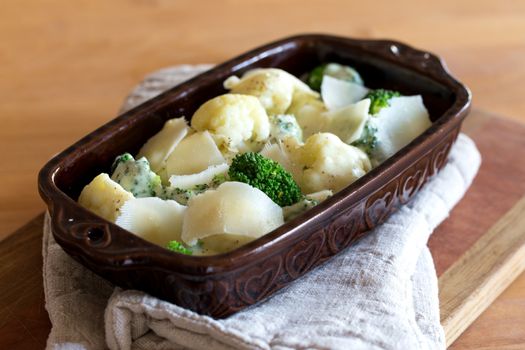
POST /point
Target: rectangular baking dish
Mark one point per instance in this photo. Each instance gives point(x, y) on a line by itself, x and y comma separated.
point(224, 284)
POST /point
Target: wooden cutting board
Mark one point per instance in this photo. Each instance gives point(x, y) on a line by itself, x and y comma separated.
point(478, 251)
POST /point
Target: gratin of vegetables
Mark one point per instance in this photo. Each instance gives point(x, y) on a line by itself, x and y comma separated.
point(254, 158)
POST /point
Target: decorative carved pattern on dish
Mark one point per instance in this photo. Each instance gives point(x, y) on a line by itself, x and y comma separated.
point(344, 230)
point(303, 255)
point(256, 282)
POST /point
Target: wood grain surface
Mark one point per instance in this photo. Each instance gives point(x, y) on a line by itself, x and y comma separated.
point(496, 189)
point(66, 66)
point(472, 282)
point(481, 249)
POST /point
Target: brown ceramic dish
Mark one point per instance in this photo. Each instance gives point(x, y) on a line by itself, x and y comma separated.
point(224, 284)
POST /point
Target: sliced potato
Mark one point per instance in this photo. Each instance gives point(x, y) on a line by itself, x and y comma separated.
point(194, 154)
point(397, 125)
point(156, 220)
point(158, 148)
point(279, 153)
point(233, 208)
point(337, 93)
point(104, 197)
point(187, 182)
point(348, 122)
point(275, 152)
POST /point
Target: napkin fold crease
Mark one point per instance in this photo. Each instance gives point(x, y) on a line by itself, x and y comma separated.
point(381, 293)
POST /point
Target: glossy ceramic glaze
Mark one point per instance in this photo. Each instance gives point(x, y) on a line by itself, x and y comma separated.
point(223, 284)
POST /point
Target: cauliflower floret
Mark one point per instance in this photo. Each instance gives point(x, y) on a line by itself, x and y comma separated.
point(309, 111)
point(273, 87)
point(329, 163)
point(238, 123)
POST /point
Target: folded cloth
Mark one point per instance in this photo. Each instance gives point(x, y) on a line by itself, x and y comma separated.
point(381, 293)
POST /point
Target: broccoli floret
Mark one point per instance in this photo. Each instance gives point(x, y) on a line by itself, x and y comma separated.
point(218, 180)
point(125, 157)
point(135, 176)
point(178, 247)
point(266, 175)
point(315, 78)
point(182, 196)
point(293, 211)
point(306, 202)
point(380, 98)
point(283, 126)
point(368, 140)
point(336, 70)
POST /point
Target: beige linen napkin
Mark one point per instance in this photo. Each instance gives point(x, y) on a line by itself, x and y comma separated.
point(381, 293)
